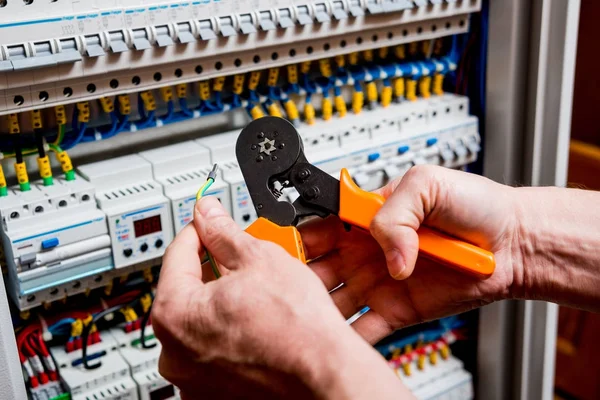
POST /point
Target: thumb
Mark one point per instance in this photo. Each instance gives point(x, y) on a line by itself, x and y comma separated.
point(395, 225)
point(220, 235)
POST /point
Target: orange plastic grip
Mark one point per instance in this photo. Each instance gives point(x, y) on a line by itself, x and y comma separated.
point(358, 208)
point(287, 237)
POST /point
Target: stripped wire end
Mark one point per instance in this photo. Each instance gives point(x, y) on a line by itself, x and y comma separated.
point(212, 175)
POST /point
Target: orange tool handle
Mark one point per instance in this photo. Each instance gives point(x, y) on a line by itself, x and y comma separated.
point(287, 237)
point(358, 208)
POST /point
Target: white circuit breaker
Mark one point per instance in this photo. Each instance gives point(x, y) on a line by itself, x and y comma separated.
point(143, 364)
point(139, 215)
point(110, 381)
point(56, 241)
point(182, 169)
point(222, 151)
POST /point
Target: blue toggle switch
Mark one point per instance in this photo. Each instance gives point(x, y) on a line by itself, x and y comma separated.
point(374, 156)
point(431, 142)
point(49, 243)
point(403, 149)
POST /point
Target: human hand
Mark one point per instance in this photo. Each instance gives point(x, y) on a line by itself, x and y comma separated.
point(466, 206)
point(267, 328)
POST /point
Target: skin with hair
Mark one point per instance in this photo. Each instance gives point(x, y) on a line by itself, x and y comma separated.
point(269, 328)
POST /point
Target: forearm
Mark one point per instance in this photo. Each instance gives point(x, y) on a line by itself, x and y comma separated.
point(558, 242)
point(351, 369)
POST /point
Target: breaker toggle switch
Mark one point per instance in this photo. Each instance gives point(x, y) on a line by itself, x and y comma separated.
point(163, 37)
point(397, 5)
point(140, 39)
point(321, 13)
point(247, 24)
point(227, 27)
point(286, 19)
point(373, 7)
point(117, 42)
point(460, 150)
point(473, 146)
point(68, 52)
point(184, 32)
point(207, 30)
point(338, 10)
point(42, 57)
point(355, 8)
point(266, 21)
point(303, 15)
point(93, 46)
point(447, 154)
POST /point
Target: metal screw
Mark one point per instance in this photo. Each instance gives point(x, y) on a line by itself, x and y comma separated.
point(261, 135)
point(304, 174)
point(275, 133)
point(274, 158)
point(259, 158)
point(254, 147)
point(312, 193)
point(260, 206)
point(282, 145)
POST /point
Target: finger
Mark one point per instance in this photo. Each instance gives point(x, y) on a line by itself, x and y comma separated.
point(372, 327)
point(228, 244)
point(320, 236)
point(395, 225)
point(181, 261)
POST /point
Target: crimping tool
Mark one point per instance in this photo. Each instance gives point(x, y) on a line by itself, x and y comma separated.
point(271, 156)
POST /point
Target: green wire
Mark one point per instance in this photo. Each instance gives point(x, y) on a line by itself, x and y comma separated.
point(201, 192)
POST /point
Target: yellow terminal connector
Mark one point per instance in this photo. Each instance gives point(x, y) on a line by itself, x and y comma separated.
point(66, 165)
point(3, 186)
point(325, 67)
point(421, 361)
point(353, 58)
point(305, 67)
point(309, 113)
point(292, 111)
point(433, 358)
point(148, 277)
point(425, 87)
point(45, 170)
point(273, 77)
point(218, 84)
point(427, 48)
point(411, 90)
point(76, 328)
point(254, 80)
point(292, 71)
point(61, 115)
point(399, 88)
point(408, 348)
point(107, 104)
point(327, 108)
point(13, 123)
point(400, 52)
point(438, 84)
point(146, 302)
point(386, 96)
point(83, 109)
point(166, 94)
point(238, 83)
point(181, 89)
point(257, 112)
point(413, 48)
point(108, 288)
point(274, 110)
point(368, 55)
point(372, 94)
point(445, 352)
point(148, 100)
point(204, 90)
point(87, 320)
point(383, 52)
point(358, 101)
point(340, 61)
point(22, 177)
point(406, 369)
point(340, 106)
point(36, 119)
point(124, 104)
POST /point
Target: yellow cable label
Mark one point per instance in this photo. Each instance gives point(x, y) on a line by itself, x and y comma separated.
point(257, 112)
point(218, 84)
point(44, 166)
point(181, 90)
point(340, 106)
point(406, 369)
point(368, 55)
point(372, 94)
point(425, 87)
point(325, 67)
point(83, 109)
point(36, 119)
point(204, 90)
point(309, 113)
point(353, 58)
point(291, 110)
point(340, 61)
point(76, 328)
point(411, 90)
point(273, 77)
point(148, 100)
point(21, 172)
point(254, 80)
point(438, 84)
point(2, 177)
point(13, 123)
point(433, 357)
point(421, 361)
point(358, 101)
point(146, 302)
point(400, 51)
point(166, 93)
point(238, 83)
point(65, 161)
point(274, 110)
point(399, 88)
point(383, 52)
point(305, 67)
point(327, 109)
point(386, 96)
point(292, 71)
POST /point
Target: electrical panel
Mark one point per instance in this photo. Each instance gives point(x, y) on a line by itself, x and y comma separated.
point(149, 97)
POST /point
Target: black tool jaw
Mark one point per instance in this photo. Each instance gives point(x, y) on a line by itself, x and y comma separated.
point(266, 150)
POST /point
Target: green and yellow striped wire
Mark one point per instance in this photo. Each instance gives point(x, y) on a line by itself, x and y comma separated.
point(212, 175)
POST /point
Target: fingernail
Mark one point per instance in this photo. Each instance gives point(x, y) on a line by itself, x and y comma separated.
point(210, 207)
point(395, 263)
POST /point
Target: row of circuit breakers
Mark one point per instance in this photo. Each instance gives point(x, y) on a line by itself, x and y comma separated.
point(120, 214)
point(52, 52)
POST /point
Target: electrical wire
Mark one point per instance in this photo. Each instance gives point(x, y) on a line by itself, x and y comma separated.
point(201, 192)
point(144, 322)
